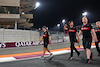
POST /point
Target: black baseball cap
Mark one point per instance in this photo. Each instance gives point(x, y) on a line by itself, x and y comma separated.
point(44, 27)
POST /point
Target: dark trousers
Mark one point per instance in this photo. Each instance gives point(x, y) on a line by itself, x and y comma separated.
point(97, 46)
point(73, 47)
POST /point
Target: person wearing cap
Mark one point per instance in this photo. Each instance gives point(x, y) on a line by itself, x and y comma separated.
point(47, 40)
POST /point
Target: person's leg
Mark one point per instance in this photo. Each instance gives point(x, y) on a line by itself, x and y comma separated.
point(84, 42)
point(71, 55)
point(51, 55)
point(44, 49)
point(84, 45)
point(91, 54)
point(76, 51)
point(48, 50)
point(97, 47)
point(88, 53)
point(72, 43)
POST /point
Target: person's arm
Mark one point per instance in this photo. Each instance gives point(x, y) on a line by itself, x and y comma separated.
point(79, 32)
point(50, 40)
point(77, 35)
point(65, 27)
point(94, 35)
point(41, 39)
point(78, 40)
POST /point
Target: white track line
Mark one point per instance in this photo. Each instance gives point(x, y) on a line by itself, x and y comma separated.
point(9, 59)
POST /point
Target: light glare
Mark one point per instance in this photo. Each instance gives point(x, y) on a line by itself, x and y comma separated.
point(63, 21)
point(37, 5)
point(58, 25)
point(84, 14)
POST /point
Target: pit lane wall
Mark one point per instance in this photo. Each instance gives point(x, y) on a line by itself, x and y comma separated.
point(27, 43)
point(11, 35)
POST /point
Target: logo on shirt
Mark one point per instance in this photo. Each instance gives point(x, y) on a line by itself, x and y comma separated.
point(44, 35)
point(85, 28)
point(72, 30)
point(98, 30)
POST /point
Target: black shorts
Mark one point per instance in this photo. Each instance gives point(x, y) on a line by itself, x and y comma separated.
point(73, 40)
point(46, 44)
point(87, 43)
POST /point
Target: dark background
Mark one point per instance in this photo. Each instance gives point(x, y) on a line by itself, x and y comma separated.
point(51, 12)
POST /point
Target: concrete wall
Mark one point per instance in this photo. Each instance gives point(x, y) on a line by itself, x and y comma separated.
point(10, 35)
point(9, 2)
point(12, 16)
point(29, 16)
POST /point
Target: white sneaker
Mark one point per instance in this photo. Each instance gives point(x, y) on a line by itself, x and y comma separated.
point(42, 58)
point(51, 55)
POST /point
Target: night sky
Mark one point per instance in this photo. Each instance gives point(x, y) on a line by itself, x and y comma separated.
point(51, 12)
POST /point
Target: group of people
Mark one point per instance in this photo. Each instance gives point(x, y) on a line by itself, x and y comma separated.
point(86, 30)
point(88, 33)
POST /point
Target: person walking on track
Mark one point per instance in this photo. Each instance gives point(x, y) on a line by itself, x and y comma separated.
point(97, 30)
point(72, 35)
point(47, 40)
point(86, 30)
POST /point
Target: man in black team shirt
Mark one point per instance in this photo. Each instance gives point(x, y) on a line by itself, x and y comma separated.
point(47, 40)
point(72, 35)
point(86, 29)
point(97, 30)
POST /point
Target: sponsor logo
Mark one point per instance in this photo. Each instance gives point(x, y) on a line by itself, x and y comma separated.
point(72, 30)
point(2, 45)
point(57, 41)
point(85, 28)
point(28, 43)
point(98, 30)
point(44, 35)
point(18, 44)
point(36, 43)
